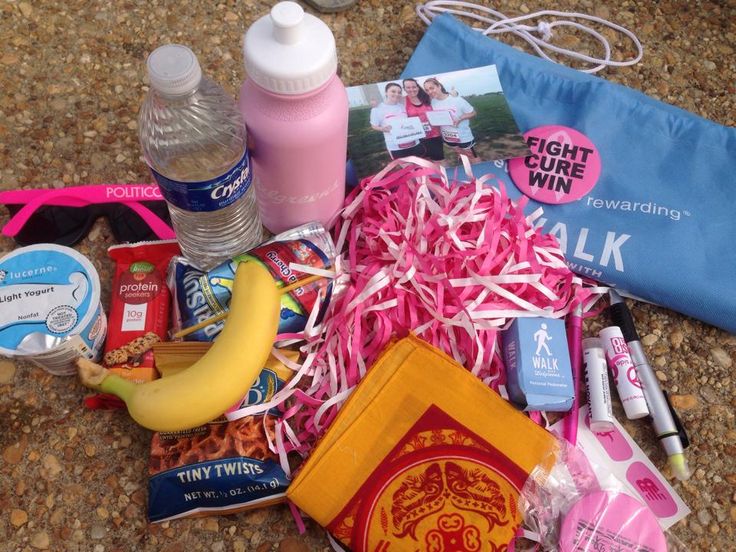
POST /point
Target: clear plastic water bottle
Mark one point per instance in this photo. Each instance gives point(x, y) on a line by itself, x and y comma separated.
point(194, 140)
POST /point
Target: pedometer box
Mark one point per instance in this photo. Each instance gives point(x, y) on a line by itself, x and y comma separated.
point(538, 371)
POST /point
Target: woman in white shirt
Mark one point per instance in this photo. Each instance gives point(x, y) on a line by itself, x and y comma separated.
point(393, 107)
point(457, 136)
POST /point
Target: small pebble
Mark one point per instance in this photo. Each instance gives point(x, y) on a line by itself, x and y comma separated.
point(649, 339)
point(40, 540)
point(292, 544)
point(257, 517)
point(211, 524)
point(696, 528)
point(52, 466)
point(14, 453)
point(9, 59)
point(18, 517)
point(97, 532)
point(721, 357)
point(709, 394)
point(57, 518)
point(7, 371)
point(684, 402)
point(704, 517)
point(26, 9)
point(676, 338)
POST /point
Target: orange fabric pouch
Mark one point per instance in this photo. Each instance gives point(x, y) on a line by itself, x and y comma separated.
point(421, 456)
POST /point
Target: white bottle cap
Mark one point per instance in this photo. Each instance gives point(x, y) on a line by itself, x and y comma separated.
point(289, 51)
point(596, 345)
point(173, 69)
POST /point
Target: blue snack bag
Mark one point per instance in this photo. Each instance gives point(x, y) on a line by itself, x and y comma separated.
point(224, 466)
point(198, 295)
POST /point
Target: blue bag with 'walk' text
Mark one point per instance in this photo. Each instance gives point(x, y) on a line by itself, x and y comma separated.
point(639, 193)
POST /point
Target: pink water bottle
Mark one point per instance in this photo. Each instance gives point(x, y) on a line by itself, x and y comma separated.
point(296, 111)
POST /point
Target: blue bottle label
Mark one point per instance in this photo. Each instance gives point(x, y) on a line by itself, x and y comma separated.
point(210, 195)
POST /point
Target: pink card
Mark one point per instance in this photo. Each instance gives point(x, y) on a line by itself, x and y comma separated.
point(616, 453)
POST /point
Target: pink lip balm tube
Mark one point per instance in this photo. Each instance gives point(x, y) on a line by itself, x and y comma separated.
point(624, 373)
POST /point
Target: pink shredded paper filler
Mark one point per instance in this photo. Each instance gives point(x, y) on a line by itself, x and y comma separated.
point(452, 262)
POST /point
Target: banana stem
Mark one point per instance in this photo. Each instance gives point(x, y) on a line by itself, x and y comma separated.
point(98, 377)
point(118, 386)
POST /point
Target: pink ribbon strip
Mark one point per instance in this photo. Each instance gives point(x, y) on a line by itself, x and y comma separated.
point(452, 262)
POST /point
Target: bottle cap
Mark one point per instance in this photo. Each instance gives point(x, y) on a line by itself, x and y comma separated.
point(593, 343)
point(173, 69)
point(606, 335)
point(289, 51)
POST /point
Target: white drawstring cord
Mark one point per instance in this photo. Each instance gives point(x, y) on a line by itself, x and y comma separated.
point(499, 23)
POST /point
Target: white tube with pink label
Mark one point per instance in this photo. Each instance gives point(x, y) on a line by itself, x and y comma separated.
point(596, 385)
point(624, 373)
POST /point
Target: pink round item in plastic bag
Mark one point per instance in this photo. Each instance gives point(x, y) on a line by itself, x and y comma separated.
point(610, 521)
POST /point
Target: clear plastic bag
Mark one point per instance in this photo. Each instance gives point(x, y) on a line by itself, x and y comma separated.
point(567, 508)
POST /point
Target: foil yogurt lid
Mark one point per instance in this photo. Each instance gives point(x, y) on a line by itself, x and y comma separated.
point(47, 294)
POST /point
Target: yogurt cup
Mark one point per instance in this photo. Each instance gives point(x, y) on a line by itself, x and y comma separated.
point(50, 309)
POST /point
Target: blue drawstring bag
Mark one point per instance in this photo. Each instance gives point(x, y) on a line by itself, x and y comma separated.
point(654, 214)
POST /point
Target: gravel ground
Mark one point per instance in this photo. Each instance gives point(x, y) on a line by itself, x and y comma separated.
point(72, 76)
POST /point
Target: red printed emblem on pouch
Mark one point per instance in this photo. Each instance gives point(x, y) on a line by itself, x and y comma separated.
point(564, 165)
point(442, 487)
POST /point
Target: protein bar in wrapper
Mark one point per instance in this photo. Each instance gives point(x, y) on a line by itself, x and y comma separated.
point(201, 295)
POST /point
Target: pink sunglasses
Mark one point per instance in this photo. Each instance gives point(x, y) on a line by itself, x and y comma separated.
point(136, 212)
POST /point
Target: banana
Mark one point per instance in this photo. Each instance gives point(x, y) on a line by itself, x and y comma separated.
point(220, 378)
point(172, 357)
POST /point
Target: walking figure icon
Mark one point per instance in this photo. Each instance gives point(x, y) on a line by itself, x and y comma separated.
point(542, 337)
